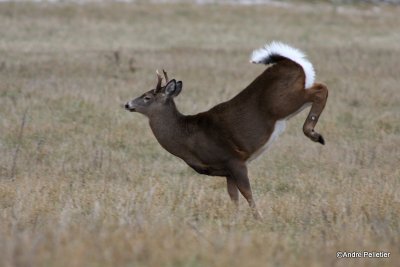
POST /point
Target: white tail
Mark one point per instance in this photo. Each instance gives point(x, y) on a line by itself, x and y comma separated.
point(266, 54)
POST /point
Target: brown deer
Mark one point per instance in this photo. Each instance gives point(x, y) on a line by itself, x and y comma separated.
point(220, 141)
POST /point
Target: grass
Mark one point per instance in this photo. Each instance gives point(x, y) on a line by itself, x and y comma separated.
point(84, 183)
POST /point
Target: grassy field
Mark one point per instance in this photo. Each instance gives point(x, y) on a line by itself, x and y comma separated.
point(84, 183)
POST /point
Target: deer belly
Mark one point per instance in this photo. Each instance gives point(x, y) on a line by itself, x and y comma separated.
point(279, 128)
point(209, 170)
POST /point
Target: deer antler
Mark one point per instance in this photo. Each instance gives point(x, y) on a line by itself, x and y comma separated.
point(158, 88)
point(166, 76)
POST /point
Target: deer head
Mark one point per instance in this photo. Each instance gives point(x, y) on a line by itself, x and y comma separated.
point(158, 99)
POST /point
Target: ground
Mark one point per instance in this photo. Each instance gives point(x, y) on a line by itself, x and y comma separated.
point(85, 183)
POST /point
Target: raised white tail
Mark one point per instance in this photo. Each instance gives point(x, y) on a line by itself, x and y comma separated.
point(270, 52)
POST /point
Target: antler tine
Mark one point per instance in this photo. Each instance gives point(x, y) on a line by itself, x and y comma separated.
point(166, 76)
point(159, 81)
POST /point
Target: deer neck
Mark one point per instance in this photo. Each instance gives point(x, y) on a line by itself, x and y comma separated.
point(168, 128)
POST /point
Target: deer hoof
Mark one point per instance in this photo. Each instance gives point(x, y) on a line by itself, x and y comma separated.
point(321, 140)
point(316, 137)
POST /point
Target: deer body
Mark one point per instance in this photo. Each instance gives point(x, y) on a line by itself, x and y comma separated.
point(220, 141)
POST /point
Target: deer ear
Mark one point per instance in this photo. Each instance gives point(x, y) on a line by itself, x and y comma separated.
point(173, 88)
point(178, 88)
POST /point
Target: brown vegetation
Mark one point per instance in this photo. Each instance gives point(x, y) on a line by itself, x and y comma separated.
point(84, 183)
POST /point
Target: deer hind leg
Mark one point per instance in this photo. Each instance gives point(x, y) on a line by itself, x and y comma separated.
point(317, 95)
point(240, 178)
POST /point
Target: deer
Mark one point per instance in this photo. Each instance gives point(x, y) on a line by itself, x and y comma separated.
point(224, 139)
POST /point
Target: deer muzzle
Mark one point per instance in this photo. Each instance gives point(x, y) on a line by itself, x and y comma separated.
point(130, 107)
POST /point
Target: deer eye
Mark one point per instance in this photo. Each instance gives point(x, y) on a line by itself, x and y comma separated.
point(147, 98)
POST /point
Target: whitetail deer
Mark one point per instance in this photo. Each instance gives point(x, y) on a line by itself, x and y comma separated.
point(220, 141)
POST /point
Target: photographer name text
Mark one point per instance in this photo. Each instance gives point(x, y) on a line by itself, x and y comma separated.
point(362, 254)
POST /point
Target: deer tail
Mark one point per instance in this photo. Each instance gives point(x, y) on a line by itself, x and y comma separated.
point(276, 51)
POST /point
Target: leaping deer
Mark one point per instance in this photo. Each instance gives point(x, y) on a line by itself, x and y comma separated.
point(220, 141)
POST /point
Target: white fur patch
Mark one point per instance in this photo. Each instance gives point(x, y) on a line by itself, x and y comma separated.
point(263, 55)
point(278, 129)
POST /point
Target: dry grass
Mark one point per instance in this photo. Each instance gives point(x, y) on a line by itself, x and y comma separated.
point(84, 183)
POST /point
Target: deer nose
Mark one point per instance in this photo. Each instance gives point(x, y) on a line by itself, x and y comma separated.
point(127, 106)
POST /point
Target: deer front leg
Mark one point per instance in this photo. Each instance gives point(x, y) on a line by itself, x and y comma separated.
point(239, 176)
point(232, 190)
point(318, 95)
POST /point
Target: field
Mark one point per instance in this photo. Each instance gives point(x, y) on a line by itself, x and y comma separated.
point(85, 183)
